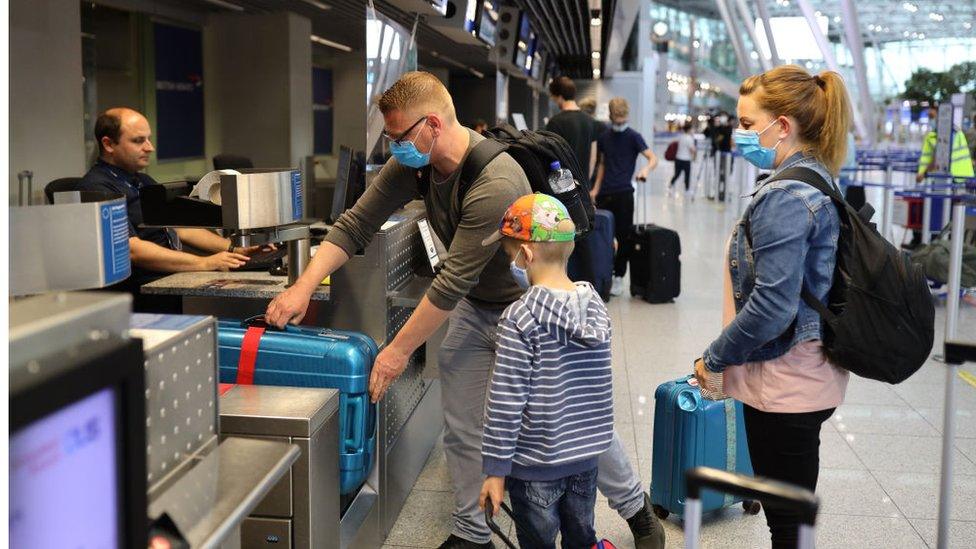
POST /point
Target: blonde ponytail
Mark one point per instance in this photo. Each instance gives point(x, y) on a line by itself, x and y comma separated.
point(832, 142)
point(819, 104)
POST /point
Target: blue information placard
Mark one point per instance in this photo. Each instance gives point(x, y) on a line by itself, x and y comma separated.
point(115, 242)
point(297, 201)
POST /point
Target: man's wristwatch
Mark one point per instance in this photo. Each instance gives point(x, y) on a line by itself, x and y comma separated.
point(231, 247)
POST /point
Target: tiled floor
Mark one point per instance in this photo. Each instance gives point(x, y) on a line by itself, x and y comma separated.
point(880, 453)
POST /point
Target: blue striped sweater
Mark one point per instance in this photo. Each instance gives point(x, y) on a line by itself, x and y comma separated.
point(550, 408)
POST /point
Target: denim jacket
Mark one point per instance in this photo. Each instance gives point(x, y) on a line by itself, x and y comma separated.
point(794, 244)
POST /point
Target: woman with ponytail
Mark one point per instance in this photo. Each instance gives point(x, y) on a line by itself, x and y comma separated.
point(769, 355)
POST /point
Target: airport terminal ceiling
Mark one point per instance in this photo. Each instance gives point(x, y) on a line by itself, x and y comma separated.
point(881, 20)
point(564, 26)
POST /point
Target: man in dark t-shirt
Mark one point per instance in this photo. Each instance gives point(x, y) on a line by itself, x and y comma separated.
point(579, 129)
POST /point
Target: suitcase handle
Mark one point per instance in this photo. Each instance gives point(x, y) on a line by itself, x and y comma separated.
point(357, 417)
point(489, 518)
point(766, 491)
point(258, 320)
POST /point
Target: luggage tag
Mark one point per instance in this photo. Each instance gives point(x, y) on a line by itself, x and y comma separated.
point(433, 247)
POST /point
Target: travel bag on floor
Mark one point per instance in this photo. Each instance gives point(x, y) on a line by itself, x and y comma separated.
point(655, 264)
point(692, 431)
point(772, 492)
point(592, 260)
point(250, 352)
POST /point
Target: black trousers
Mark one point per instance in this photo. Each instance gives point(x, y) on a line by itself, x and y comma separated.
point(785, 447)
point(622, 207)
point(682, 166)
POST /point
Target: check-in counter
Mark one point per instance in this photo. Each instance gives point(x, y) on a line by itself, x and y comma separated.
point(375, 293)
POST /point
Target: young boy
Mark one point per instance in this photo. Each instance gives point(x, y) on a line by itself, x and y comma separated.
point(550, 407)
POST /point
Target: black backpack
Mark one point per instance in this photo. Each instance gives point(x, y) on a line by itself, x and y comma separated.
point(879, 321)
point(534, 152)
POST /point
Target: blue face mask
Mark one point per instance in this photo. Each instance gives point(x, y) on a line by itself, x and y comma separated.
point(520, 274)
point(407, 154)
point(747, 143)
point(619, 127)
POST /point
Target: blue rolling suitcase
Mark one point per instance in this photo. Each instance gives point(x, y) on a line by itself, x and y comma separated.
point(592, 260)
point(691, 431)
point(301, 356)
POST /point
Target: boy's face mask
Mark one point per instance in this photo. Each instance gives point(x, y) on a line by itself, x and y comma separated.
point(520, 274)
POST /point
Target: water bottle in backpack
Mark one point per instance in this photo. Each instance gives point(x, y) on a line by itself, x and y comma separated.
point(567, 190)
point(560, 179)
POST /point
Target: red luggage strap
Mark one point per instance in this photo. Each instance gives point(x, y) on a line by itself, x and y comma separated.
point(249, 355)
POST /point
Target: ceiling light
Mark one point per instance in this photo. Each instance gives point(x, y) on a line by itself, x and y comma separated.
point(870, 27)
point(596, 55)
point(818, 14)
point(921, 36)
point(910, 7)
point(936, 16)
point(596, 22)
point(319, 40)
point(596, 73)
point(906, 34)
point(660, 28)
point(226, 5)
point(696, 44)
point(754, 55)
point(836, 19)
point(317, 4)
point(967, 25)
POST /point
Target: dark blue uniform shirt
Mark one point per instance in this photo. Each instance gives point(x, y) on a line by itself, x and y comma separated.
point(106, 177)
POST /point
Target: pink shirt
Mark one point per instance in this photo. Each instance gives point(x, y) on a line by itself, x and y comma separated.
point(802, 380)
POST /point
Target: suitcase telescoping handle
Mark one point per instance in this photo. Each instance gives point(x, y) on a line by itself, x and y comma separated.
point(489, 518)
point(767, 491)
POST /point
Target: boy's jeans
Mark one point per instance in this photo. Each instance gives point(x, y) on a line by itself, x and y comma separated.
point(545, 508)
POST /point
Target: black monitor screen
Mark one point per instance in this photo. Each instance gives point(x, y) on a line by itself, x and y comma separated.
point(523, 50)
point(488, 21)
point(350, 182)
point(64, 481)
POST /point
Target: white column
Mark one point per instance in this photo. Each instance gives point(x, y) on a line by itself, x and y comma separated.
point(764, 15)
point(828, 55)
point(740, 52)
point(852, 29)
point(750, 25)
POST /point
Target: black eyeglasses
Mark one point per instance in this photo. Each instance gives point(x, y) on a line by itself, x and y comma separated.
point(399, 139)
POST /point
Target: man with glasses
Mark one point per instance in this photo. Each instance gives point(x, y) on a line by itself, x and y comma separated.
point(472, 289)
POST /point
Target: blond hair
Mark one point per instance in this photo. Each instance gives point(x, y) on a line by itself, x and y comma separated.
point(819, 104)
point(418, 93)
point(548, 253)
point(619, 108)
point(587, 105)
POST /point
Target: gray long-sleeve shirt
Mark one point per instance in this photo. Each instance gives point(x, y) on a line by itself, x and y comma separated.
point(469, 268)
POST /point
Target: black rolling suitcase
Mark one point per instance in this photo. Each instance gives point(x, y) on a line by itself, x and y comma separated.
point(655, 264)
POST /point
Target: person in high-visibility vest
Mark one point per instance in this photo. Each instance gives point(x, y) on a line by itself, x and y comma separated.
point(960, 163)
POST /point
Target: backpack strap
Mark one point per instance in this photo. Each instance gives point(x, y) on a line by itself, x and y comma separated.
point(815, 180)
point(477, 160)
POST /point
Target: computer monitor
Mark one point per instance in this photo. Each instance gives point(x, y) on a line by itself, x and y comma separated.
point(350, 181)
point(77, 468)
point(487, 20)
